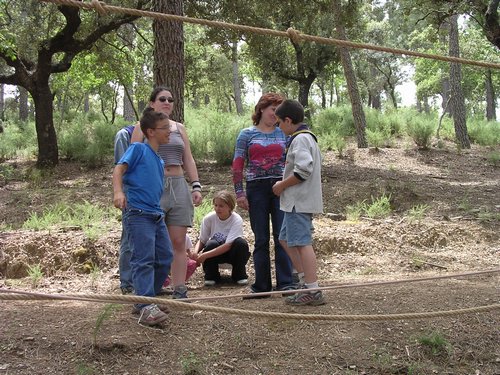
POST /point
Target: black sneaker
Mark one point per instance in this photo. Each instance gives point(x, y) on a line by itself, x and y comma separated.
point(127, 290)
point(256, 295)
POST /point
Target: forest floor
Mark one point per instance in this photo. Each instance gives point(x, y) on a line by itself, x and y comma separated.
point(459, 233)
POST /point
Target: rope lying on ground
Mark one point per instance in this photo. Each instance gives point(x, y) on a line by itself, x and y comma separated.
point(6, 294)
point(103, 9)
point(109, 298)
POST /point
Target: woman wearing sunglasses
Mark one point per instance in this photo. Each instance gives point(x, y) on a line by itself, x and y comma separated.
point(178, 198)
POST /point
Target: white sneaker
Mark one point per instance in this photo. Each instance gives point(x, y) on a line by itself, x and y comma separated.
point(209, 282)
point(242, 282)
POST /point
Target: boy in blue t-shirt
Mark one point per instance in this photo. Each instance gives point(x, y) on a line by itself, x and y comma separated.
point(137, 189)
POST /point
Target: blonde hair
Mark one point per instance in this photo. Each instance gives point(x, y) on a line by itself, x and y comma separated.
point(226, 197)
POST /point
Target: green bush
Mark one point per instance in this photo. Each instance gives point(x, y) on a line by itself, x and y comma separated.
point(378, 138)
point(379, 208)
point(484, 133)
point(18, 140)
point(337, 120)
point(213, 134)
point(421, 131)
point(89, 143)
point(332, 142)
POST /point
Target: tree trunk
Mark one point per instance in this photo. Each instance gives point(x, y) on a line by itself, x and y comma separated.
point(457, 95)
point(48, 151)
point(490, 98)
point(352, 87)
point(445, 94)
point(128, 106)
point(168, 67)
point(2, 102)
point(23, 104)
point(86, 103)
point(236, 78)
point(304, 90)
point(373, 90)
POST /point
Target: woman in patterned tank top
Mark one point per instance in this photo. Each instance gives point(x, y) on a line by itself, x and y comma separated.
point(178, 198)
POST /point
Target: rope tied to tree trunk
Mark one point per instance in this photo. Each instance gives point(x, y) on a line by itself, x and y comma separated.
point(263, 31)
point(294, 35)
point(99, 7)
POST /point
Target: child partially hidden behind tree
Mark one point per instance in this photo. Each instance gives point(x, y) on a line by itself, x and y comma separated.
point(137, 189)
point(221, 241)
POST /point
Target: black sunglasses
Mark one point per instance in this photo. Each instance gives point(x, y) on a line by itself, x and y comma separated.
point(163, 99)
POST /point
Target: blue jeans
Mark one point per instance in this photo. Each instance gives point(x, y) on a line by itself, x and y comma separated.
point(152, 251)
point(124, 267)
point(263, 203)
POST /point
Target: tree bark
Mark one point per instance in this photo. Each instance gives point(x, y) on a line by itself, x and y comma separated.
point(23, 104)
point(445, 94)
point(48, 151)
point(168, 66)
point(457, 95)
point(236, 78)
point(352, 86)
point(304, 90)
point(490, 98)
point(128, 107)
point(86, 103)
point(2, 102)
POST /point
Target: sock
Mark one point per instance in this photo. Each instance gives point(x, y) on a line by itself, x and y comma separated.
point(301, 277)
point(312, 285)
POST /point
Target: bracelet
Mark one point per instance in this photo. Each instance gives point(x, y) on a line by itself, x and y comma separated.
point(196, 186)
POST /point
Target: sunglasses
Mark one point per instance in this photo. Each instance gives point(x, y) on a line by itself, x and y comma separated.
point(163, 99)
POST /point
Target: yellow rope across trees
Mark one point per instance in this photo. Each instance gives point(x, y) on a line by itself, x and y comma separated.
point(296, 36)
point(112, 298)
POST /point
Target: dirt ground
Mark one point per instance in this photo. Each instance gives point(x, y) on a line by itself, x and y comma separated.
point(459, 233)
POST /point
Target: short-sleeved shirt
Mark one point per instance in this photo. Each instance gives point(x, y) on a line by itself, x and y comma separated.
point(223, 231)
point(143, 180)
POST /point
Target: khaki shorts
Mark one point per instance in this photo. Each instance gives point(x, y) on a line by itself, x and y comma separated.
point(176, 202)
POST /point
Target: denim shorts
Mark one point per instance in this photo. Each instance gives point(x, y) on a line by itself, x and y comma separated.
point(297, 229)
point(177, 202)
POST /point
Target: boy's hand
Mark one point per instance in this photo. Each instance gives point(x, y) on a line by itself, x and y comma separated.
point(119, 200)
point(278, 188)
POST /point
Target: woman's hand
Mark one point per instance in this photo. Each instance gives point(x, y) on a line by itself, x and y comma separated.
point(242, 203)
point(197, 198)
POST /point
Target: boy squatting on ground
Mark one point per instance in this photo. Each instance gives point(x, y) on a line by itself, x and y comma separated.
point(137, 189)
point(300, 197)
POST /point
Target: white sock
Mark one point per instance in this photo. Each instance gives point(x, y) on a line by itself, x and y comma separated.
point(301, 277)
point(312, 285)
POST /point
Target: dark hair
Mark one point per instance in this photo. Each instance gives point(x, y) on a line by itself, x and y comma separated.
point(226, 197)
point(156, 91)
point(150, 118)
point(291, 109)
point(265, 101)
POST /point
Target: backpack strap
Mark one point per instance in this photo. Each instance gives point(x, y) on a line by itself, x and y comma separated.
point(129, 129)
